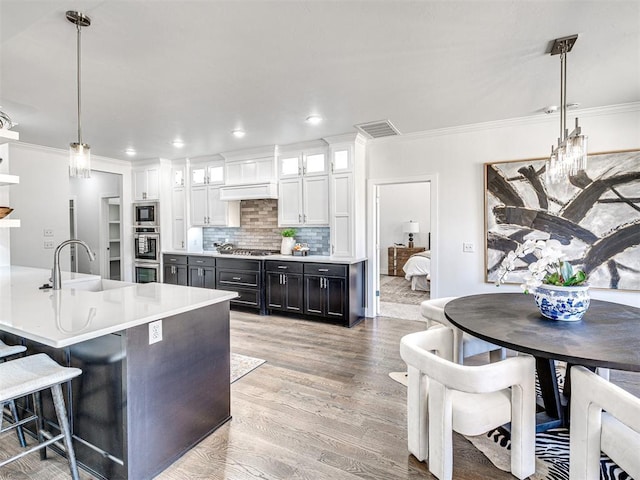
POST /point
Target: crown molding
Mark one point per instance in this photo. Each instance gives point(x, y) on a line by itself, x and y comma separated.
point(511, 122)
point(42, 148)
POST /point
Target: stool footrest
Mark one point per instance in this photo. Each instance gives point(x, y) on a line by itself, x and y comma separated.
point(33, 449)
point(17, 424)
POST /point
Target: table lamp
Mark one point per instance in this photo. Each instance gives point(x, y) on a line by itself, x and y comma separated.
point(411, 227)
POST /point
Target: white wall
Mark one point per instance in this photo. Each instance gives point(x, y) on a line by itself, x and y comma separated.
point(457, 156)
point(399, 204)
point(41, 200)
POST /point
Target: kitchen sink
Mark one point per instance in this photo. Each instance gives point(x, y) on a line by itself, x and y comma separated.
point(96, 285)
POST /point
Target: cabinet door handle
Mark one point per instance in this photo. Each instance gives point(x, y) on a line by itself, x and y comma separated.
point(183, 244)
point(281, 280)
point(284, 279)
point(284, 267)
point(299, 218)
point(304, 217)
point(236, 278)
point(200, 272)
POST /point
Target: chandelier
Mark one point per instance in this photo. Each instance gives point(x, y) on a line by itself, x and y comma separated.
point(570, 156)
point(79, 153)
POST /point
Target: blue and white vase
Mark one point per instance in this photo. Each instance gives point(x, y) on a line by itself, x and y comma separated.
point(567, 304)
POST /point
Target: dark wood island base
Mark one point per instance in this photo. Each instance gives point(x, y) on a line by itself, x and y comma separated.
point(137, 407)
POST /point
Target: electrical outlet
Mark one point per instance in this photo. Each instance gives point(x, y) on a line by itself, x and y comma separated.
point(155, 332)
point(48, 232)
point(468, 247)
point(48, 244)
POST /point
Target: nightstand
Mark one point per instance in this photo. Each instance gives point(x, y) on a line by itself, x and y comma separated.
point(398, 256)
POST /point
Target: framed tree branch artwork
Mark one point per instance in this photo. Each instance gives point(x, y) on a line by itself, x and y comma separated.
point(595, 216)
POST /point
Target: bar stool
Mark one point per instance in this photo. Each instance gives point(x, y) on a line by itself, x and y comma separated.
point(29, 376)
point(7, 351)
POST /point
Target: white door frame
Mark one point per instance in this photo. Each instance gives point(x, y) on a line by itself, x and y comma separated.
point(373, 235)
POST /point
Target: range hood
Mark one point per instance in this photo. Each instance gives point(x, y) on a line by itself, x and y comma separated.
point(249, 191)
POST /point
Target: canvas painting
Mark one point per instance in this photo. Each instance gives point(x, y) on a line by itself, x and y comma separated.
point(595, 215)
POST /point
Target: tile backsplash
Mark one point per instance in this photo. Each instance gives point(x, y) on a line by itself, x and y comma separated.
point(259, 229)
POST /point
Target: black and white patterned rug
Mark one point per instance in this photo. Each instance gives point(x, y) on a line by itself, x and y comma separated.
point(552, 454)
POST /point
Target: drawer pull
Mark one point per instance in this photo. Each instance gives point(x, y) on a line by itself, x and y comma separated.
point(323, 269)
point(283, 267)
point(199, 261)
point(236, 278)
point(172, 259)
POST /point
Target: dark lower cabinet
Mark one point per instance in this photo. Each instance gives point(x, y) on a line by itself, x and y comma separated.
point(175, 270)
point(284, 286)
point(242, 276)
point(203, 277)
point(334, 292)
point(325, 296)
point(322, 291)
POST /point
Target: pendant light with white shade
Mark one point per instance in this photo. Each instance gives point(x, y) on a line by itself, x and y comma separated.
point(79, 152)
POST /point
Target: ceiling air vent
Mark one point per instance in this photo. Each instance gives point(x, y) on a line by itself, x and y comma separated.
point(381, 128)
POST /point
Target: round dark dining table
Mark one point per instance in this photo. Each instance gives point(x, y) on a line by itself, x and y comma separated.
point(608, 336)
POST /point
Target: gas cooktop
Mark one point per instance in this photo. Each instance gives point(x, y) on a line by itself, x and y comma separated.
point(253, 252)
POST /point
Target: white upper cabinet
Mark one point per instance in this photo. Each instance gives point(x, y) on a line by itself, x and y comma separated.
point(207, 210)
point(304, 162)
point(290, 165)
point(347, 199)
point(341, 158)
point(251, 166)
point(178, 178)
point(209, 173)
point(146, 183)
point(303, 197)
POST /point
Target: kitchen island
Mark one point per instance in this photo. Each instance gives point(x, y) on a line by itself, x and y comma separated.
point(155, 361)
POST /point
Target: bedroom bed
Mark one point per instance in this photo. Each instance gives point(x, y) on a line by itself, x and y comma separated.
point(418, 271)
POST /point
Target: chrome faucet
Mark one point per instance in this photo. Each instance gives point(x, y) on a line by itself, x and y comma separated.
point(55, 274)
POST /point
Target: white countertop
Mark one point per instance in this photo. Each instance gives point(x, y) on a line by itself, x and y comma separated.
point(291, 258)
point(71, 315)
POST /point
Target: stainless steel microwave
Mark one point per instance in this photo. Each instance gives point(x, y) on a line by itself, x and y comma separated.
point(146, 214)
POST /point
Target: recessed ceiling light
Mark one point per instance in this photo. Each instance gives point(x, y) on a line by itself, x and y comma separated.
point(313, 119)
point(130, 151)
point(238, 133)
point(178, 143)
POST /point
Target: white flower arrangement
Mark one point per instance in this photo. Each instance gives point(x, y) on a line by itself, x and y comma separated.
point(550, 268)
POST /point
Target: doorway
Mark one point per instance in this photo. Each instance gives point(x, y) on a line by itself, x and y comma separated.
point(95, 213)
point(399, 207)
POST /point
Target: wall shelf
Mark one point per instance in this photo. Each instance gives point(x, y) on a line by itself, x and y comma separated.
point(9, 223)
point(9, 135)
point(6, 179)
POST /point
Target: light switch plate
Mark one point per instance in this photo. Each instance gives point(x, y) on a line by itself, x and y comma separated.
point(155, 332)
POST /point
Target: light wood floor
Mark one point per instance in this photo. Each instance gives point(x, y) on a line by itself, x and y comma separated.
point(322, 407)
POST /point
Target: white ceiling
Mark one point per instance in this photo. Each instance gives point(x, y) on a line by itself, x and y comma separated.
point(156, 70)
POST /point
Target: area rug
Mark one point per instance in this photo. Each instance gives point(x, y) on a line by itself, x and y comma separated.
point(398, 290)
point(241, 365)
point(552, 446)
point(552, 454)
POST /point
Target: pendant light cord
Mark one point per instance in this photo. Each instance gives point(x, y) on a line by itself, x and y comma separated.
point(78, 82)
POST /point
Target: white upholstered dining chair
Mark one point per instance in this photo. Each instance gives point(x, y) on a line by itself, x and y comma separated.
point(604, 418)
point(465, 345)
point(443, 396)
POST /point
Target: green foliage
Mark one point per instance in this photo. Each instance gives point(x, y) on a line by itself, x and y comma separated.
point(289, 232)
point(565, 276)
